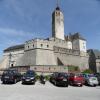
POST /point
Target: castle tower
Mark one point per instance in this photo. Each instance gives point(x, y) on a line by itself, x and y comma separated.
point(58, 23)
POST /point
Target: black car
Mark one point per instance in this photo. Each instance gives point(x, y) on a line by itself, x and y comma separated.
point(29, 77)
point(10, 76)
point(59, 79)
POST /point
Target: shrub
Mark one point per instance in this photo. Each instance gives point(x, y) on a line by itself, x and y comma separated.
point(89, 71)
point(37, 77)
point(72, 68)
point(47, 77)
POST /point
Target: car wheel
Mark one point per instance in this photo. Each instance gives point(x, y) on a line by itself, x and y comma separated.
point(94, 85)
point(33, 83)
point(3, 82)
point(55, 83)
point(15, 81)
point(66, 85)
point(23, 83)
point(81, 85)
point(71, 83)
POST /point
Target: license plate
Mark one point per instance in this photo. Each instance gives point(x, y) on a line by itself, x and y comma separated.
point(27, 80)
point(6, 77)
point(79, 83)
point(64, 80)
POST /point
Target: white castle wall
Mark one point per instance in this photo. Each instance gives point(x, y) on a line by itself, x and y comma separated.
point(29, 58)
point(82, 45)
point(4, 63)
point(79, 44)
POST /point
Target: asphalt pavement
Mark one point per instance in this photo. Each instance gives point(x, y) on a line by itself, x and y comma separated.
point(47, 92)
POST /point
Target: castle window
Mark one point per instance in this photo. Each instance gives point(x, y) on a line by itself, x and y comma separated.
point(47, 46)
point(28, 46)
point(41, 45)
point(33, 45)
point(57, 13)
point(12, 65)
point(83, 45)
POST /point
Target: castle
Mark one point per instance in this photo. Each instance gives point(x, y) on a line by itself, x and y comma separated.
point(54, 51)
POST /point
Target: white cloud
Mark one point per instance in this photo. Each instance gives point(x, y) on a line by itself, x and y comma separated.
point(14, 32)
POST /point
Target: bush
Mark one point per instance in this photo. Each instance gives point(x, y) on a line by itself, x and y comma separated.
point(89, 71)
point(47, 77)
point(37, 77)
point(72, 68)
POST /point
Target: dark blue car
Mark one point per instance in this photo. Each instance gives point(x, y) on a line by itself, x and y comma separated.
point(29, 77)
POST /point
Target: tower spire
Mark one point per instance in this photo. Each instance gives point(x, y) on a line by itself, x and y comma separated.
point(57, 3)
point(57, 8)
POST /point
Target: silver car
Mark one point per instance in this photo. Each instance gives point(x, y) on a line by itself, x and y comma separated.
point(90, 80)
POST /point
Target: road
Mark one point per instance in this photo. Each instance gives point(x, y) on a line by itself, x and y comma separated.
point(47, 92)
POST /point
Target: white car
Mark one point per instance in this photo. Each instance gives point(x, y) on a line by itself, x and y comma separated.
point(91, 80)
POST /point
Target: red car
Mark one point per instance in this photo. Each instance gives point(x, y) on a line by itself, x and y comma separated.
point(76, 80)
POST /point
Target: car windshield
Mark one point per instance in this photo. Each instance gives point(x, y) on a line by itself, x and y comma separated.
point(8, 72)
point(62, 75)
point(91, 75)
point(30, 73)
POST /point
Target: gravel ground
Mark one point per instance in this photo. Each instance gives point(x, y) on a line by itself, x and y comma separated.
point(47, 92)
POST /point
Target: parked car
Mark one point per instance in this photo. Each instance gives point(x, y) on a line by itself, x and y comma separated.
point(29, 77)
point(60, 79)
point(76, 79)
point(10, 76)
point(90, 79)
point(98, 77)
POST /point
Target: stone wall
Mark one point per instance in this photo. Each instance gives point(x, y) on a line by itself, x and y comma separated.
point(29, 58)
point(71, 57)
point(98, 65)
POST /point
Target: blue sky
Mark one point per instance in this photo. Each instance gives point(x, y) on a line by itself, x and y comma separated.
point(21, 20)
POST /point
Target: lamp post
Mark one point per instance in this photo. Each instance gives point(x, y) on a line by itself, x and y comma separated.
point(9, 59)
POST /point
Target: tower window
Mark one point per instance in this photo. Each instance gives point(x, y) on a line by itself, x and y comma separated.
point(41, 45)
point(33, 45)
point(57, 13)
point(28, 46)
point(47, 46)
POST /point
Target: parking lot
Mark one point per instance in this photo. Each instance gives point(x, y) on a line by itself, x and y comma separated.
point(47, 92)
